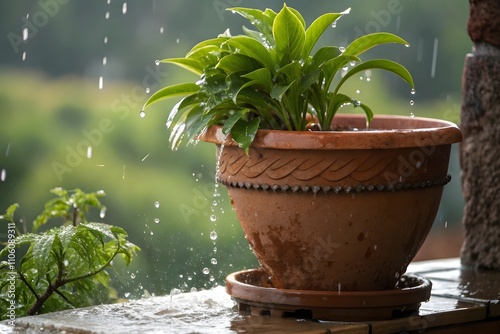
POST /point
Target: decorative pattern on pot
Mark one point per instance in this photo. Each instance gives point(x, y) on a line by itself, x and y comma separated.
point(333, 171)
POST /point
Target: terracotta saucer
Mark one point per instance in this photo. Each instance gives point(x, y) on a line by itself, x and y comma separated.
point(252, 290)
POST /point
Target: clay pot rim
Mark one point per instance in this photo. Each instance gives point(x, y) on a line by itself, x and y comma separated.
point(386, 131)
point(329, 299)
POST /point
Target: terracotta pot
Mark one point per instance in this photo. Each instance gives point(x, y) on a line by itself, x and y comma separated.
point(343, 210)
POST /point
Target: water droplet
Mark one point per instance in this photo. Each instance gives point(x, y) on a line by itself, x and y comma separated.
point(3, 175)
point(162, 30)
point(132, 276)
point(412, 102)
point(446, 224)
point(358, 91)
point(352, 63)
point(213, 218)
point(413, 91)
point(157, 62)
point(157, 204)
point(189, 278)
point(102, 213)
point(142, 114)
point(126, 294)
point(177, 41)
point(212, 278)
point(215, 249)
point(145, 157)
point(368, 79)
point(407, 45)
point(361, 78)
point(124, 8)
point(148, 90)
point(357, 103)
point(206, 271)
point(24, 56)
point(89, 152)
point(213, 261)
point(101, 82)
point(101, 193)
point(334, 24)
point(104, 61)
point(106, 15)
point(342, 49)
point(213, 235)
point(109, 1)
point(106, 40)
point(156, 220)
point(25, 34)
point(345, 68)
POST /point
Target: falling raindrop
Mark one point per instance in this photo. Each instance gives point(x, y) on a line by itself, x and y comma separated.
point(412, 102)
point(101, 83)
point(213, 235)
point(413, 91)
point(102, 213)
point(24, 56)
point(156, 220)
point(132, 276)
point(157, 204)
point(177, 41)
point(104, 61)
point(142, 114)
point(3, 175)
point(124, 8)
point(148, 90)
point(109, 1)
point(358, 91)
point(339, 287)
point(106, 15)
point(7, 151)
point(106, 40)
point(123, 173)
point(89, 152)
point(334, 24)
point(213, 261)
point(145, 157)
point(25, 34)
point(157, 62)
point(162, 30)
point(206, 271)
point(213, 218)
point(446, 224)
point(434, 57)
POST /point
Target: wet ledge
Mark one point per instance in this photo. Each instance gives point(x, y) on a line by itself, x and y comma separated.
point(462, 299)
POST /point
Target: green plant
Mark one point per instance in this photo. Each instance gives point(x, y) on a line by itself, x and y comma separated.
point(270, 78)
point(63, 267)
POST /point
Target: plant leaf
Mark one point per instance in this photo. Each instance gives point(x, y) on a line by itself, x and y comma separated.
point(289, 35)
point(243, 132)
point(42, 246)
point(190, 64)
point(316, 29)
point(261, 20)
point(231, 121)
point(252, 48)
point(366, 42)
point(172, 91)
point(278, 91)
point(237, 63)
point(383, 64)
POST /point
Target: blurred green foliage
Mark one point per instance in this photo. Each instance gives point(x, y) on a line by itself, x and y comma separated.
point(51, 111)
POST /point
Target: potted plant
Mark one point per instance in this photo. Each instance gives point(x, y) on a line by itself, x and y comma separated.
point(327, 201)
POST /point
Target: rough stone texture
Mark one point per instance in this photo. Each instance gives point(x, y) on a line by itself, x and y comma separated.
point(484, 23)
point(480, 150)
